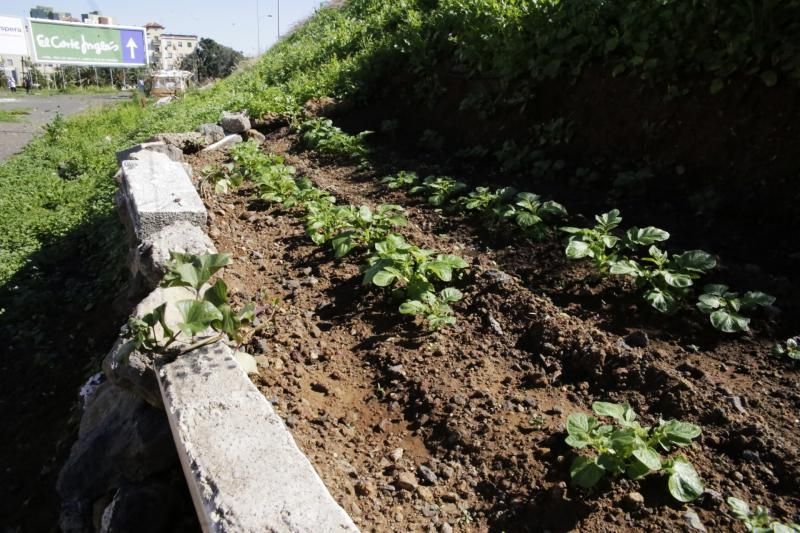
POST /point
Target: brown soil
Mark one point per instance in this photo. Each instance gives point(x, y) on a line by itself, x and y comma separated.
point(474, 417)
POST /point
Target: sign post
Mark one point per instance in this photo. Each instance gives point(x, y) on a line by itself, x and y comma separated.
point(71, 43)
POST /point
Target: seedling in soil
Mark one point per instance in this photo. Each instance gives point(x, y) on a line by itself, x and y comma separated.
point(208, 310)
point(434, 307)
point(790, 349)
point(250, 160)
point(532, 215)
point(665, 280)
point(598, 242)
point(724, 307)
point(222, 178)
point(324, 220)
point(758, 520)
point(321, 135)
point(401, 180)
point(411, 269)
point(276, 184)
point(632, 449)
point(368, 227)
point(488, 204)
point(439, 189)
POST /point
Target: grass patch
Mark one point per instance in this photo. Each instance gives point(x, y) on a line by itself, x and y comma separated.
point(13, 115)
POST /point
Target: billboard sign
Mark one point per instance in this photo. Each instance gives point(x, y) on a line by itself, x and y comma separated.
point(71, 43)
point(12, 37)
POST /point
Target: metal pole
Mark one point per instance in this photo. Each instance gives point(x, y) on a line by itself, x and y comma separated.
point(258, 29)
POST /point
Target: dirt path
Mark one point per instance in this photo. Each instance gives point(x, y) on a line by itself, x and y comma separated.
point(466, 428)
point(42, 109)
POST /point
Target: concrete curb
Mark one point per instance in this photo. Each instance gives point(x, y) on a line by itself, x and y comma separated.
point(243, 467)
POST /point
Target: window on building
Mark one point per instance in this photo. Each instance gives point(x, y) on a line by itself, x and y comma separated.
point(189, 45)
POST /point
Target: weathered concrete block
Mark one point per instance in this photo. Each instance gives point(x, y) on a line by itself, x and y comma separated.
point(171, 151)
point(228, 141)
point(211, 132)
point(152, 255)
point(234, 122)
point(159, 192)
point(133, 371)
point(244, 469)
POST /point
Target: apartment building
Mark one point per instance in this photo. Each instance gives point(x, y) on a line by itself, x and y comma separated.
point(167, 50)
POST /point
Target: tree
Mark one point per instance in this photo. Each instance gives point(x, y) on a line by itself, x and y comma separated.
point(211, 60)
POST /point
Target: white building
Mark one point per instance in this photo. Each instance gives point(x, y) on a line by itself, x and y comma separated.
point(167, 50)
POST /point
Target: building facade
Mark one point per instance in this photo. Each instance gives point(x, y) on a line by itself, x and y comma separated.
point(174, 48)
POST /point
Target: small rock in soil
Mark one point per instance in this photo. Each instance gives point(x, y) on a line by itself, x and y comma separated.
point(365, 488)
point(425, 493)
point(396, 454)
point(632, 501)
point(446, 528)
point(495, 325)
point(319, 387)
point(736, 401)
point(427, 474)
point(750, 455)
point(693, 520)
point(637, 339)
point(498, 276)
point(406, 481)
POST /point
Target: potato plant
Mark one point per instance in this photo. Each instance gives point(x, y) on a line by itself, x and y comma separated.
point(758, 520)
point(533, 216)
point(210, 309)
point(724, 308)
point(439, 189)
point(664, 280)
point(598, 243)
point(401, 180)
point(790, 348)
point(320, 134)
point(222, 178)
point(487, 204)
point(435, 308)
point(628, 448)
point(367, 227)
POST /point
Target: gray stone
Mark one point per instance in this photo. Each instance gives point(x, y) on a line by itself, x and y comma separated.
point(427, 475)
point(406, 481)
point(158, 192)
point(190, 141)
point(211, 132)
point(133, 371)
point(632, 501)
point(226, 142)
point(234, 122)
point(693, 520)
point(245, 471)
point(256, 136)
point(152, 255)
point(121, 438)
point(158, 146)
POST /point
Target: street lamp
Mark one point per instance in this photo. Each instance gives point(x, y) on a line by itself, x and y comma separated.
point(258, 23)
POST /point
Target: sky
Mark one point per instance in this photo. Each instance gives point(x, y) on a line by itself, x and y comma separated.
point(229, 22)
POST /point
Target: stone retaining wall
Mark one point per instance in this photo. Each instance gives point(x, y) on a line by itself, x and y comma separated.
point(242, 467)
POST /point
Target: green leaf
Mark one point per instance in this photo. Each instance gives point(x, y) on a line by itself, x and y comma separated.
point(739, 508)
point(728, 322)
point(383, 278)
point(648, 457)
point(450, 294)
point(412, 307)
point(646, 236)
point(578, 249)
point(753, 298)
point(625, 267)
point(614, 410)
point(695, 260)
point(677, 433)
point(684, 482)
point(197, 316)
point(661, 300)
point(217, 294)
point(585, 472)
point(674, 279)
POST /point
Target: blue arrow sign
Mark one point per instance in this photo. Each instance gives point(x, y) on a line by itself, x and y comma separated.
point(132, 42)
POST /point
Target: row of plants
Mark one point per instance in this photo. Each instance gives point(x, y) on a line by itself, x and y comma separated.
point(627, 448)
point(664, 281)
point(418, 278)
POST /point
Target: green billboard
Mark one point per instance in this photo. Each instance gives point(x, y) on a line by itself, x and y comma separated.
point(70, 43)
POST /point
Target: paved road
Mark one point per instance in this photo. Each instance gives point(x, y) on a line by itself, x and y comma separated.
point(15, 135)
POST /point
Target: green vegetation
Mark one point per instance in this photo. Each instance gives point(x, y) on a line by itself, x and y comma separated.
point(208, 310)
point(631, 449)
point(758, 520)
point(13, 115)
point(724, 308)
point(790, 348)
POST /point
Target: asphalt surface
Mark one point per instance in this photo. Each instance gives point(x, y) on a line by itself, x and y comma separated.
point(15, 135)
